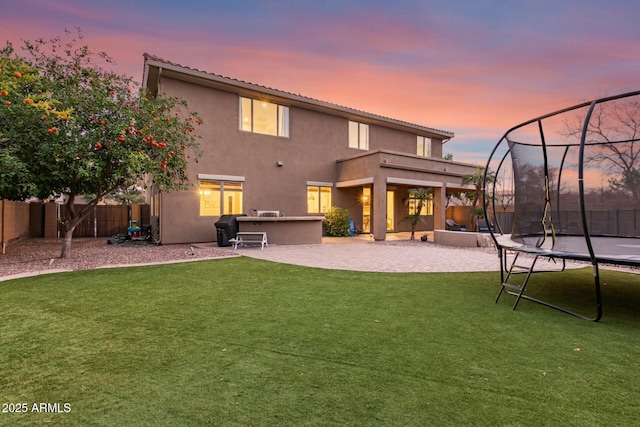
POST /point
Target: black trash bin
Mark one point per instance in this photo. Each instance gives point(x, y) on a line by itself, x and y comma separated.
point(226, 228)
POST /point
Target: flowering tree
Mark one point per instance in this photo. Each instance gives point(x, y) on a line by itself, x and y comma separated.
point(27, 113)
point(102, 133)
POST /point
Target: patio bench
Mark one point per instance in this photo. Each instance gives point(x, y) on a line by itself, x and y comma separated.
point(248, 237)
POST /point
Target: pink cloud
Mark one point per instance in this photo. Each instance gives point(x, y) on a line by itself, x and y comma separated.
point(441, 70)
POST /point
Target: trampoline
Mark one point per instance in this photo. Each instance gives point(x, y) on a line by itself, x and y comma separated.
point(566, 186)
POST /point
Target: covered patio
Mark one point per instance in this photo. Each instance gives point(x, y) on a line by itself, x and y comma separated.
point(374, 186)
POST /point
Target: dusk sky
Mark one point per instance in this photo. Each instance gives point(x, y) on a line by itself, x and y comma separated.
point(475, 68)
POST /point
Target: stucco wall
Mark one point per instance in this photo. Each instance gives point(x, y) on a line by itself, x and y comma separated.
point(461, 215)
point(316, 141)
point(350, 199)
point(287, 231)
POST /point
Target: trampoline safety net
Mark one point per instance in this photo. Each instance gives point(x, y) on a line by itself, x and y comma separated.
point(567, 185)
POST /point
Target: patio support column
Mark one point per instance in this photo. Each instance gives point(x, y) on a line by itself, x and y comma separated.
point(439, 204)
point(379, 206)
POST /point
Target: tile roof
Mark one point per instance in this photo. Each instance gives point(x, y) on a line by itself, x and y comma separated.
point(288, 95)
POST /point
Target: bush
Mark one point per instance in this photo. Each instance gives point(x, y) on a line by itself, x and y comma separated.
point(336, 223)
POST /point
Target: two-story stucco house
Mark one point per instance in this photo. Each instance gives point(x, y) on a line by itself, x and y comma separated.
point(266, 149)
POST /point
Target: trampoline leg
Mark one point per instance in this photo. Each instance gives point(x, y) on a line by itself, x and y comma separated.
point(502, 254)
point(596, 277)
point(526, 280)
point(518, 291)
point(503, 270)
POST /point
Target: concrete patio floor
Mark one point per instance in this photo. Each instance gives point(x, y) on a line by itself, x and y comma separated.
point(396, 254)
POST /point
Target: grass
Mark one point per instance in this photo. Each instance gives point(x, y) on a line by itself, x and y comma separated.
point(247, 342)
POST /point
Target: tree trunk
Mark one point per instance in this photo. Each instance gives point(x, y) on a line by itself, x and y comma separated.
point(66, 243)
point(74, 219)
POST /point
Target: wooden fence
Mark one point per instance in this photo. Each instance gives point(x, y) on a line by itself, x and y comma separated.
point(106, 220)
point(19, 220)
point(103, 221)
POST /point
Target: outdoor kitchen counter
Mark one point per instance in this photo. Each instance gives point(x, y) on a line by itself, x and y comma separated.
point(285, 230)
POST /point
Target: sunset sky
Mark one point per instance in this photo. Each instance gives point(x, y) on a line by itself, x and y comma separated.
point(475, 68)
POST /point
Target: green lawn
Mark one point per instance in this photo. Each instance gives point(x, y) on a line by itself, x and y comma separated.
point(252, 343)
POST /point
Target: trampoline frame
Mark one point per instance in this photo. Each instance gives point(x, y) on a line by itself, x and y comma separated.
point(504, 247)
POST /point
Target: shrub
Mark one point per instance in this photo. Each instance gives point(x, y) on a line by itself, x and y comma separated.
point(336, 223)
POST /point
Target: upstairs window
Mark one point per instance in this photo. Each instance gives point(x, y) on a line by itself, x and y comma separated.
point(264, 117)
point(423, 146)
point(358, 135)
